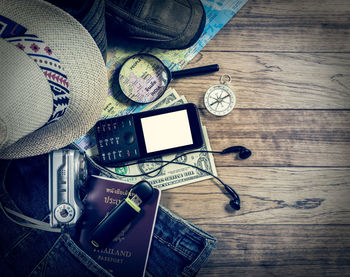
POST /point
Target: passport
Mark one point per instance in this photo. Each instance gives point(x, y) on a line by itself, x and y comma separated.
point(127, 254)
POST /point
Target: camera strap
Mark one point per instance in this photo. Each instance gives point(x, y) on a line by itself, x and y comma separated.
point(28, 222)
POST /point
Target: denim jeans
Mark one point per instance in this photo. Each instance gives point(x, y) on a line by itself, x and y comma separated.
point(178, 248)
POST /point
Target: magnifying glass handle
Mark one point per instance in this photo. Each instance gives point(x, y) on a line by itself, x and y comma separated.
point(195, 71)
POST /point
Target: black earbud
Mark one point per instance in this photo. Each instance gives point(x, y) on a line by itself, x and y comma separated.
point(243, 153)
point(235, 203)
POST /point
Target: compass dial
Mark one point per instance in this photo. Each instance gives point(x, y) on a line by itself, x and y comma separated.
point(219, 100)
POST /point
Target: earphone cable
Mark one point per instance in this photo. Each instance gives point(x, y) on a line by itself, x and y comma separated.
point(230, 190)
point(102, 168)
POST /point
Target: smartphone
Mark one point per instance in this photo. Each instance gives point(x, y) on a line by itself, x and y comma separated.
point(147, 134)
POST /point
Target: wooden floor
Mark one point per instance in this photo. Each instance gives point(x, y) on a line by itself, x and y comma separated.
point(290, 65)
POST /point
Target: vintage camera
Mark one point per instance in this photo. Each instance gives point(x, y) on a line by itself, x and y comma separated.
point(67, 173)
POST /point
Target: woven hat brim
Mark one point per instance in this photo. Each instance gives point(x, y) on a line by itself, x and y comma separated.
point(83, 65)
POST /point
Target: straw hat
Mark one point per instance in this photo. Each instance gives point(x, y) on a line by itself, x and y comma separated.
point(53, 80)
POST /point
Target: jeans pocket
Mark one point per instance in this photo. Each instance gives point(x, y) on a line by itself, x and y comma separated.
point(207, 246)
point(178, 247)
point(65, 258)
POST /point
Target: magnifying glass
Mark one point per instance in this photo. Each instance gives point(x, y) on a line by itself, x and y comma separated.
point(143, 78)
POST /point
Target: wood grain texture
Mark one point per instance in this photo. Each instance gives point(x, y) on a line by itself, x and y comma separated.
point(279, 250)
point(273, 195)
point(293, 26)
point(276, 80)
point(284, 137)
point(290, 68)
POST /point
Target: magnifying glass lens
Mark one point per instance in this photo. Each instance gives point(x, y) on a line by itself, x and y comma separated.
point(143, 78)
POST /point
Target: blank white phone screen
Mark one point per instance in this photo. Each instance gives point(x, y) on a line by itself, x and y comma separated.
point(166, 131)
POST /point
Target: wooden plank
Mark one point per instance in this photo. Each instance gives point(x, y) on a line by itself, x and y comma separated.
point(275, 80)
point(279, 250)
point(317, 270)
point(279, 25)
point(282, 137)
point(268, 196)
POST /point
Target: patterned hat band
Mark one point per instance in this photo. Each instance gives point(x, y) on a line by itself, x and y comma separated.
point(44, 57)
